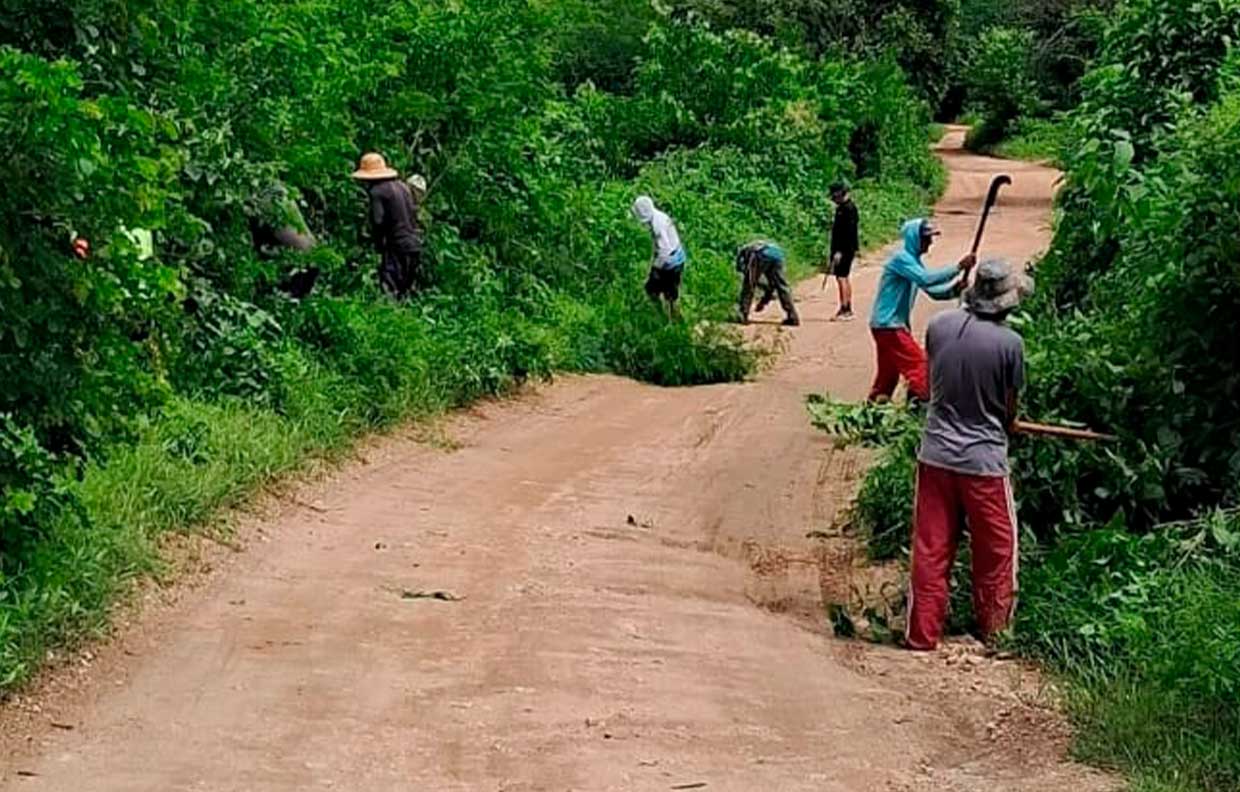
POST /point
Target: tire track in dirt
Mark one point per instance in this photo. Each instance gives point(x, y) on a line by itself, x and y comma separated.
point(604, 535)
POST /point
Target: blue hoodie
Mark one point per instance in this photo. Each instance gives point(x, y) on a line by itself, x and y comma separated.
point(903, 274)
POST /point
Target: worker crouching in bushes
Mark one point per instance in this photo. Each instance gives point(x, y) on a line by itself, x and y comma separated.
point(761, 265)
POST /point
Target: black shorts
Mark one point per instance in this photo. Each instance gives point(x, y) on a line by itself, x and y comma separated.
point(844, 268)
point(664, 283)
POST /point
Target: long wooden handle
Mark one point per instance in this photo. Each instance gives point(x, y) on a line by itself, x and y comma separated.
point(981, 226)
point(992, 198)
point(1068, 432)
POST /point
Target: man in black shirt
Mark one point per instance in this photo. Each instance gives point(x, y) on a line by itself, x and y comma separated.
point(393, 225)
point(845, 241)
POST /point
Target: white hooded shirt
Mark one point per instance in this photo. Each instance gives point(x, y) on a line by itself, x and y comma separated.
point(668, 252)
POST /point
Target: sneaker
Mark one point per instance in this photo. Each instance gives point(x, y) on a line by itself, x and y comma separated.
point(844, 316)
point(761, 306)
point(792, 321)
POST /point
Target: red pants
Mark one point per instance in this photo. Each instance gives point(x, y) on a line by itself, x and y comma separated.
point(943, 502)
point(899, 354)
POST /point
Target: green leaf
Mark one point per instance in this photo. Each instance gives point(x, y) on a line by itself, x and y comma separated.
point(21, 501)
point(1124, 153)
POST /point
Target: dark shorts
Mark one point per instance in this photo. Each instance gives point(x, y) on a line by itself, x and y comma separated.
point(844, 268)
point(664, 283)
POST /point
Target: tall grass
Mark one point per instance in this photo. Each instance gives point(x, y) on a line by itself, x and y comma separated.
point(1029, 139)
point(1145, 631)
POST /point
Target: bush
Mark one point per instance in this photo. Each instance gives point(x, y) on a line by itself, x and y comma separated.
point(918, 35)
point(37, 493)
point(1036, 140)
point(1147, 627)
point(1001, 84)
point(72, 351)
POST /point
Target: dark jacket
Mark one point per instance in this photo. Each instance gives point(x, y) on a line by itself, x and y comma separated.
point(845, 238)
point(394, 217)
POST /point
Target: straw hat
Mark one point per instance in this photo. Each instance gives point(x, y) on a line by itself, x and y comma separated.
point(374, 168)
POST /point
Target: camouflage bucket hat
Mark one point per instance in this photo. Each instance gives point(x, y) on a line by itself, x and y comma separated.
point(997, 288)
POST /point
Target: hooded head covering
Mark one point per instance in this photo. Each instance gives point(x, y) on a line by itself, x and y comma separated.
point(913, 232)
point(997, 288)
point(910, 232)
point(643, 209)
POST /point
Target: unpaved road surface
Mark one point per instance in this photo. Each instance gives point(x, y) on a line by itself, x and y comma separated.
point(611, 633)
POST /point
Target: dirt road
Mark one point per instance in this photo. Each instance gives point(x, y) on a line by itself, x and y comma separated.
point(609, 634)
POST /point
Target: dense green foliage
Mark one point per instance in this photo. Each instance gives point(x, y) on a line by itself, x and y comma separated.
point(1132, 585)
point(1024, 60)
point(1000, 80)
point(1009, 67)
point(919, 35)
point(1000, 59)
point(167, 375)
point(1152, 213)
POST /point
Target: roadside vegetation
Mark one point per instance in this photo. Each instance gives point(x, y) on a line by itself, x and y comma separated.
point(1130, 582)
point(166, 376)
point(1034, 140)
point(1007, 68)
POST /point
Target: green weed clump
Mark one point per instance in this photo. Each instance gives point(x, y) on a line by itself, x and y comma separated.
point(883, 507)
point(1029, 138)
point(1036, 140)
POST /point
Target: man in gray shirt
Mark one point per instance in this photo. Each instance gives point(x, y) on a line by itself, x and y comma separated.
point(976, 373)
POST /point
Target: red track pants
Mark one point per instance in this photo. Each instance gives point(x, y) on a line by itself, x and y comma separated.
point(943, 502)
point(899, 354)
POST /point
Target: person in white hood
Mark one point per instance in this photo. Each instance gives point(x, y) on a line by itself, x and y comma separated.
point(669, 258)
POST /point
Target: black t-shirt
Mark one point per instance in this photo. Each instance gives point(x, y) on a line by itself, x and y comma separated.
point(845, 238)
point(394, 217)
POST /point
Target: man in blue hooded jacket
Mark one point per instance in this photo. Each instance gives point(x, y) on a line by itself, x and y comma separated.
point(899, 354)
